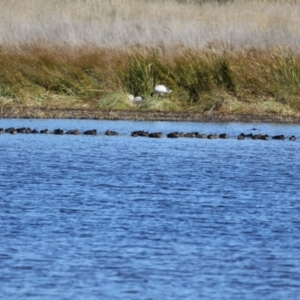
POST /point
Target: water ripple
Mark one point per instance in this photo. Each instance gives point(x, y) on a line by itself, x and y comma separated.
point(101, 218)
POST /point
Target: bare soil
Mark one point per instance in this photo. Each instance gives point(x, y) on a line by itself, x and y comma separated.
point(42, 113)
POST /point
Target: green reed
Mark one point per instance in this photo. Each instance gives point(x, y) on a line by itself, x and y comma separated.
point(228, 81)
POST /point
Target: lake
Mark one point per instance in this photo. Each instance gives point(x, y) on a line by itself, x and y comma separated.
point(118, 217)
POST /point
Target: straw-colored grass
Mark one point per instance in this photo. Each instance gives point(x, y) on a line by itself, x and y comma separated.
point(126, 23)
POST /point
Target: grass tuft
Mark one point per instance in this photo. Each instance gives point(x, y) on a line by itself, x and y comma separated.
point(159, 104)
point(117, 101)
point(138, 76)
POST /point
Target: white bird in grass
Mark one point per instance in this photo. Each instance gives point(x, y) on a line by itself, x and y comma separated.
point(135, 99)
point(161, 90)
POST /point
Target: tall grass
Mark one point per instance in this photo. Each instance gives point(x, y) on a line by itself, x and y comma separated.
point(245, 81)
point(138, 76)
point(126, 23)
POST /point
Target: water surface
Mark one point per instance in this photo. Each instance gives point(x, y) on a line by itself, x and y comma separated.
point(98, 217)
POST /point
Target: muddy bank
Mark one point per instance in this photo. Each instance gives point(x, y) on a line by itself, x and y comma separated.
point(41, 113)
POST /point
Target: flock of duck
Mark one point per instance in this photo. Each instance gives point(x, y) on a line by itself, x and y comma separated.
point(241, 136)
point(142, 133)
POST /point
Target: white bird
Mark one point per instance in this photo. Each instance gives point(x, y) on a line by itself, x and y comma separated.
point(161, 90)
point(135, 99)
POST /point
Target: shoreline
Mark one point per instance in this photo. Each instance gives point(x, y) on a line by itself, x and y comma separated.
point(137, 115)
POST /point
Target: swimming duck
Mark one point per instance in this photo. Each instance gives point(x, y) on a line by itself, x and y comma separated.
point(110, 132)
point(140, 133)
point(212, 136)
point(241, 136)
point(73, 131)
point(201, 136)
point(278, 137)
point(224, 136)
point(90, 132)
point(58, 131)
point(175, 134)
point(156, 135)
point(45, 131)
point(191, 134)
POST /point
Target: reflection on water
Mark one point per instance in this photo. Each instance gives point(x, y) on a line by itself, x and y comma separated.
point(102, 217)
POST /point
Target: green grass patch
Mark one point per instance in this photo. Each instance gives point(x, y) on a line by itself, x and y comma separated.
point(117, 101)
point(158, 103)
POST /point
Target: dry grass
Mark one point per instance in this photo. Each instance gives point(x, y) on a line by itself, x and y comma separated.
point(127, 23)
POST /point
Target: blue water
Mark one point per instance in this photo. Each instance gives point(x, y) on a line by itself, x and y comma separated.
point(98, 217)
